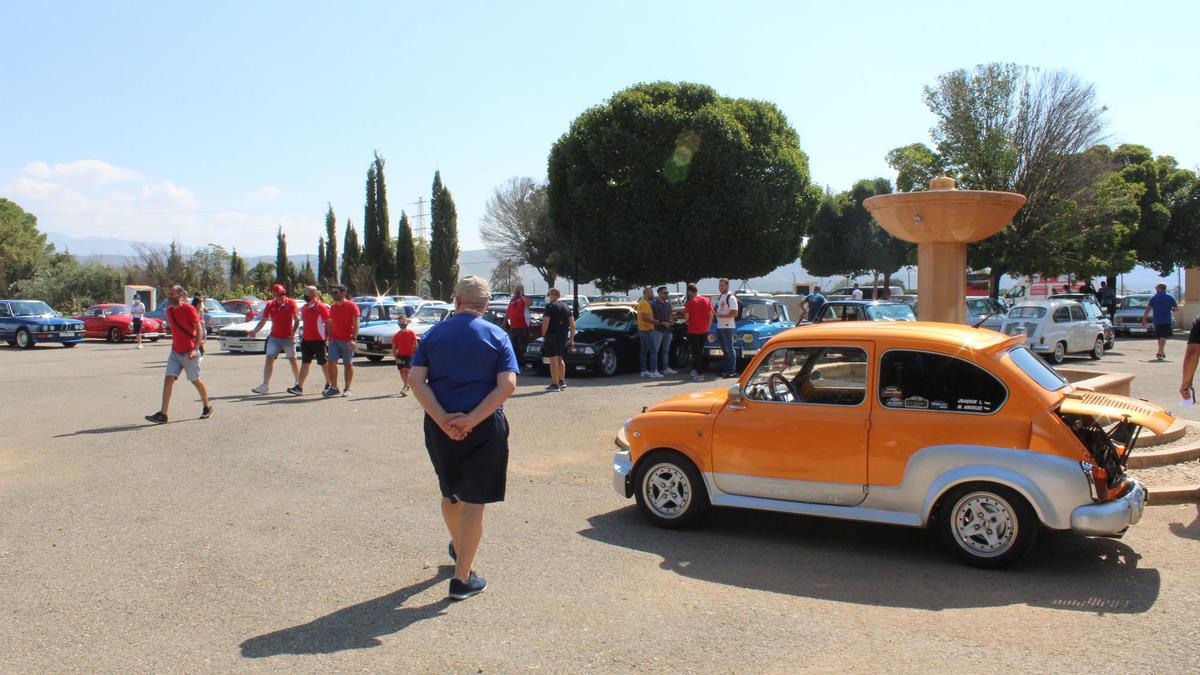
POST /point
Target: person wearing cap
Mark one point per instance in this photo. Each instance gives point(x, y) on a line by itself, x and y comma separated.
point(314, 316)
point(284, 318)
point(343, 329)
point(463, 370)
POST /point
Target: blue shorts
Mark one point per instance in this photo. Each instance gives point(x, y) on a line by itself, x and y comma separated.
point(179, 362)
point(340, 349)
point(276, 346)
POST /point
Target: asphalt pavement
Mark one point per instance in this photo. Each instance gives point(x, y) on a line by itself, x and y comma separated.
point(303, 534)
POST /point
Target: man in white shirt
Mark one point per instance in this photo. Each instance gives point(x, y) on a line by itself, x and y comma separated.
point(137, 310)
point(727, 310)
point(856, 294)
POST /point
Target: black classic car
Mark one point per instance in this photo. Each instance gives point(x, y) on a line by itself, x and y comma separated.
point(606, 342)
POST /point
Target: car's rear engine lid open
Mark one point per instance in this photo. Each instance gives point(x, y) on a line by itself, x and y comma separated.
point(1112, 408)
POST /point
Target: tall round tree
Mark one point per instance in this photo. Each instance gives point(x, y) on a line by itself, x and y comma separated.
point(673, 181)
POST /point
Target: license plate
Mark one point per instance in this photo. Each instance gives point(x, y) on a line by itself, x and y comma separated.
point(70, 334)
point(716, 352)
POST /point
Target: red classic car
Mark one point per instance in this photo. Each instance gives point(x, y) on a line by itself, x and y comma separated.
point(113, 322)
point(249, 306)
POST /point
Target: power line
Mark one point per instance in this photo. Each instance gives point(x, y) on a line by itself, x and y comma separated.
point(170, 213)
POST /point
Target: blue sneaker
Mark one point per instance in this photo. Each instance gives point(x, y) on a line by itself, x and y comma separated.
point(461, 590)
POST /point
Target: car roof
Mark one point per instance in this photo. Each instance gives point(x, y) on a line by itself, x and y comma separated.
point(865, 302)
point(949, 335)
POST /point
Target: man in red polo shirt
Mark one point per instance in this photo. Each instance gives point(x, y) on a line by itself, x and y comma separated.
point(343, 329)
point(518, 320)
point(314, 315)
point(284, 317)
point(187, 334)
point(699, 313)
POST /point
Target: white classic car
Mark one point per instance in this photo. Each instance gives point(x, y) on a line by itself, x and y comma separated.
point(1055, 328)
point(375, 342)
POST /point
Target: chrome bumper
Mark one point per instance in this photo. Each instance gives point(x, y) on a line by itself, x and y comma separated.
point(244, 345)
point(1113, 517)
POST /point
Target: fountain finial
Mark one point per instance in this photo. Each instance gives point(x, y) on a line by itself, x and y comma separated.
point(942, 182)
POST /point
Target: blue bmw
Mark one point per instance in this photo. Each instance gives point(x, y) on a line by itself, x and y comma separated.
point(758, 320)
point(25, 323)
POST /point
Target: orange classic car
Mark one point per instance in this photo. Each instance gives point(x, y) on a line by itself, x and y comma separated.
point(915, 424)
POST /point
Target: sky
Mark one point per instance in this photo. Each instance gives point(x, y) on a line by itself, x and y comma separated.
point(218, 122)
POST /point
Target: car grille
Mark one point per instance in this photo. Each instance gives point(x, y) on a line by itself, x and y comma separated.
point(1129, 320)
point(233, 333)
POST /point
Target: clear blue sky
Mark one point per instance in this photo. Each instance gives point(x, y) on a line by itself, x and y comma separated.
point(215, 121)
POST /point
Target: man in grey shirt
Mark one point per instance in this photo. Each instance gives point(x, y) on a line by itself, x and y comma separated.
point(663, 322)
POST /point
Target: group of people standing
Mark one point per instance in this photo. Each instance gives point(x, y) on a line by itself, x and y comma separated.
point(656, 328)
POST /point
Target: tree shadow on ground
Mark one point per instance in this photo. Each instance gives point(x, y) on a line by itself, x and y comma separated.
point(1187, 531)
point(884, 566)
point(355, 627)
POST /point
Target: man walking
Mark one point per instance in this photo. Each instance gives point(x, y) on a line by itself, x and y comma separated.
point(727, 309)
point(813, 303)
point(518, 319)
point(1108, 299)
point(404, 345)
point(343, 329)
point(314, 316)
point(284, 318)
point(558, 335)
point(1163, 306)
point(664, 322)
point(648, 356)
point(463, 371)
point(699, 313)
point(856, 293)
point(187, 335)
point(137, 310)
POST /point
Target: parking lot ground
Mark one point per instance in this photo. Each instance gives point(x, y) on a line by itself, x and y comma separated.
point(302, 534)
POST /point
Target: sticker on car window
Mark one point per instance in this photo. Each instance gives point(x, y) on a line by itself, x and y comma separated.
point(939, 405)
point(892, 390)
point(973, 405)
point(894, 402)
point(916, 402)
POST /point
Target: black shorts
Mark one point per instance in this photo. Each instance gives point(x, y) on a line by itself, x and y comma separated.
point(403, 362)
point(1163, 330)
point(136, 325)
point(554, 345)
point(475, 469)
point(312, 349)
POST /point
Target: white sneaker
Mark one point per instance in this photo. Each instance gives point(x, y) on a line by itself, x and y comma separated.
point(697, 378)
point(655, 376)
point(345, 392)
point(261, 389)
point(669, 371)
point(645, 373)
point(139, 346)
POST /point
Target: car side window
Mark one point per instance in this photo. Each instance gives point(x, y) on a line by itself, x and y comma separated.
point(926, 381)
point(1077, 313)
point(811, 375)
point(4, 311)
point(831, 312)
point(1062, 315)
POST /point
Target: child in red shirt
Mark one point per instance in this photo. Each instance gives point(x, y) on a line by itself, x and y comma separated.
point(404, 344)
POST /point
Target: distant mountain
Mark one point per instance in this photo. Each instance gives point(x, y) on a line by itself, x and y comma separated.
point(89, 247)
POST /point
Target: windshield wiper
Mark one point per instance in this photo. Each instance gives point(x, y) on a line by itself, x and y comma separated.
point(977, 325)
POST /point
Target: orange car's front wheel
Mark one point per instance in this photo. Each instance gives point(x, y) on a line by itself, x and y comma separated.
point(669, 489)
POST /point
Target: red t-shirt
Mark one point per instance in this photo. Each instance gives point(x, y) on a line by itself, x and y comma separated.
point(341, 320)
point(405, 342)
point(282, 314)
point(700, 314)
point(314, 316)
point(516, 312)
point(183, 319)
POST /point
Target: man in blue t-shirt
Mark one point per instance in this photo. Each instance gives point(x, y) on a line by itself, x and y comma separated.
point(463, 371)
point(813, 304)
point(1163, 305)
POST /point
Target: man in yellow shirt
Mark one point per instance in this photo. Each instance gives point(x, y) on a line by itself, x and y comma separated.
point(651, 339)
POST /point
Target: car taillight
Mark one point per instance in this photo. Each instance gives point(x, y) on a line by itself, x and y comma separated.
point(1098, 479)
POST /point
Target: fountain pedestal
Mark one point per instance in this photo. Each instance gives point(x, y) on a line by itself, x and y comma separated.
point(942, 222)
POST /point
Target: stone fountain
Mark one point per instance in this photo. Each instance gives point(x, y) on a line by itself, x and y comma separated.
point(942, 222)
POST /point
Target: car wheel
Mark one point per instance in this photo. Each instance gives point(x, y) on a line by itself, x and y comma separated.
point(24, 339)
point(1097, 349)
point(681, 354)
point(986, 525)
point(374, 358)
point(608, 362)
point(154, 339)
point(114, 335)
point(669, 489)
point(69, 344)
point(1060, 353)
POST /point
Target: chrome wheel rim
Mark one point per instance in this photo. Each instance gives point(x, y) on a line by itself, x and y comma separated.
point(1060, 352)
point(985, 525)
point(114, 335)
point(608, 361)
point(1098, 350)
point(22, 339)
point(667, 490)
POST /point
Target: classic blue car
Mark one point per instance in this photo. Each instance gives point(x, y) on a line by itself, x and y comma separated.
point(758, 320)
point(25, 323)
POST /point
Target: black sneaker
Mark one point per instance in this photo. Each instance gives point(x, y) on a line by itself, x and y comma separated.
point(453, 554)
point(461, 590)
point(157, 418)
point(553, 387)
point(206, 412)
point(295, 390)
point(327, 388)
point(331, 392)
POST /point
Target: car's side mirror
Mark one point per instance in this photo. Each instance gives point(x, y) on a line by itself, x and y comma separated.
point(735, 394)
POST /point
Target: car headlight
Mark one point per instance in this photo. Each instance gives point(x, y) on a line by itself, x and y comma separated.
point(588, 350)
point(748, 338)
point(533, 349)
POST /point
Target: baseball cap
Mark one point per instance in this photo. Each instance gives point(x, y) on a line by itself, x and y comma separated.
point(278, 288)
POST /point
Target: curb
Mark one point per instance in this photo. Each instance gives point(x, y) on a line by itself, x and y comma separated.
point(1176, 431)
point(1186, 494)
point(1146, 460)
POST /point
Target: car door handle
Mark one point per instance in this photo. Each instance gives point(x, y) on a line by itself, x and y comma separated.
point(732, 406)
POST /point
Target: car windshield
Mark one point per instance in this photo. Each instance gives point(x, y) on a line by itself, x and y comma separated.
point(982, 306)
point(31, 309)
point(756, 311)
point(212, 305)
point(1135, 302)
point(1036, 368)
point(891, 312)
point(1027, 312)
point(430, 314)
point(607, 319)
point(120, 310)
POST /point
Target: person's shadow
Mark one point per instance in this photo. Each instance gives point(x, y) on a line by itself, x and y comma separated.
point(1187, 531)
point(355, 627)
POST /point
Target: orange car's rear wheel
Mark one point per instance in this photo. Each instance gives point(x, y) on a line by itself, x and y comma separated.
point(986, 525)
point(669, 490)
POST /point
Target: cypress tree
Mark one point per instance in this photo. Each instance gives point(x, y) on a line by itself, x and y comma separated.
point(385, 263)
point(350, 255)
point(281, 259)
point(320, 258)
point(330, 275)
point(306, 276)
point(406, 258)
point(370, 239)
point(443, 247)
point(237, 269)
